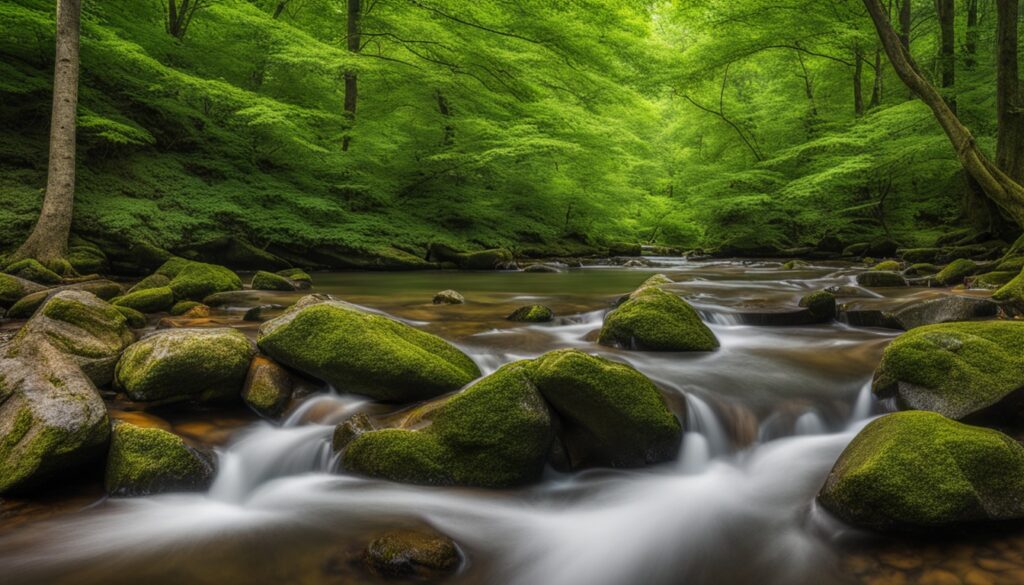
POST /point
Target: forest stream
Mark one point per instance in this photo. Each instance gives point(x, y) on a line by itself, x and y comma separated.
point(766, 417)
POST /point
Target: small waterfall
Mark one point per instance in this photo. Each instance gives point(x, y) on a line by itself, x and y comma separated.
point(862, 408)
point(720, 318)
point(703, 421)
point(810, 423)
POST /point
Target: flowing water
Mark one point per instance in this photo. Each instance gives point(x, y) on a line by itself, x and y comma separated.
point(766, 416)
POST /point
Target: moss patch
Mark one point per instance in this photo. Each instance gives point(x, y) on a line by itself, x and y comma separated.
point(197, 280)
point(30, 269)
point(1012, 292)
point(821, 304)
point(888, 266)
point(655, 320)
point(956, 271)
point(151, 281)
point(263, 280)
point(182, 307)
point(135, 319)
point(150, 300)
point(532, 314)
point(919, 470)
point(144, 461)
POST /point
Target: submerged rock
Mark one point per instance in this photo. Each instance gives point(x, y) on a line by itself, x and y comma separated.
point(655, 320)
point(181, 364)
point(412, 553)
point(449, 297)
point(263, 280)
point(89, 330)
point(532, 314)
point(921, 471)
point(611, 415)
point(145, 461)
point(958, 370)
point(268, 388)
point(880, 279)
point(365, 353)
point(944, 310)
point(496, 433)
point(52, 419)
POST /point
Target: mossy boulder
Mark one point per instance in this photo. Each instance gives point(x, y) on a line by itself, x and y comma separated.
point(135, 319)
point(922, 269)
point(264, 280)
point(1012, 292)
point(87, 329)
point(532, 314)
point(13, 289)
point(419, 554)
point(145, 461)
point(888, 266)
point(624, 249)
point(182, 307)
point(610, 414)
point(27, 305)
point(794, 265)
point(365, 353)
point(1011, 264)
point(52, 419)
point(919, 255)
point(33, 270)
point(496, 433)
point(921, 471)
point(449, 297)
point(150, 300)
point(881, 279)
point(299, 278)
point(147, 256)
point(956, 271)
point(655, 320)
point(496, 258)
point(172, 267)
point(656, 280)
point(151, 281)
point(197, 280)
point(87, 260)
point(959, 370)
point(821, 304)
point(268, 388)
point(991, 280)
point(182, 364)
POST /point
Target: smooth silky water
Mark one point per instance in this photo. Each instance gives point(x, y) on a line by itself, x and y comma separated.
point(766, 416)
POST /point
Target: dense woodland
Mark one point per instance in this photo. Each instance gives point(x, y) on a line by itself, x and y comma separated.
point(375, 127)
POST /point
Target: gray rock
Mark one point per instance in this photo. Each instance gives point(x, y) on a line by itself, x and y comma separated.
point(944, 310)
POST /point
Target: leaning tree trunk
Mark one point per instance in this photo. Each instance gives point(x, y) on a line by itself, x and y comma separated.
point(49, 238)
point(355, 10)
point(998, 186)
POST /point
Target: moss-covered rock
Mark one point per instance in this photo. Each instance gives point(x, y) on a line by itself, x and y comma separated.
point(956, 271)
point(33, 270)
point(180, 364)
point(956, 369)
point(412, 554)
point(147, 257)
point(197, 280)
point(496, 258)
point(919, 255)
point(821, 304)
point(496, 433)
point(1011, 264)
point(943, 310)
point(624, 249)
point(449, 297)
point(881, 279)
point(150, 300)
point(13, 289)
point(611, 414)
point(152, 281)
point(182, 307)
point(656, 280)
point(532, 314)
point(172, 267)
point(145, 461)
point(263, 280)
point(27, 305)
point(135, 319)
point(299, 278)
point(89, 330)
point(268, 388)
point(921, 471)
point(1012, 292)
point(794, 265)
point(888, 266)
point(365, 353)
point(87, 260)
point(991, 280)
point(52, 419)
point(922, 269)
point(197, 311)
point(655, 320)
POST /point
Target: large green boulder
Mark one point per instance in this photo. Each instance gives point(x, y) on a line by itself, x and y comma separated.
point(888, 265)
point(145, 461)
point(496, 433)
point(611, 415)
point(821, 305)
point(33, 270)
point(150, 300)
point(28, 304)
point(171, 267)
point(1012, 292)
point(13, 288)
point(956, 369)
point(264, 280)
point(197, 280)
point(365, 353)
point(956, 271)
point(182, 364)
point(89, 330)
point(922, 471)
point(655, 320)
point(52, 419)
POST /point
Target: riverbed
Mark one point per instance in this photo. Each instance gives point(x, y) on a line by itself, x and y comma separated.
point(766, 416)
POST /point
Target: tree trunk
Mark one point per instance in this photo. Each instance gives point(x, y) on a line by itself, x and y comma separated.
point(1010, 144)
point(876, 87)
point(905, 24)
point(947, 47)
point(49, 238)
point(355, 13)
point(971, 38)
point(997, 185)
point(858, 72)
point(279, 9)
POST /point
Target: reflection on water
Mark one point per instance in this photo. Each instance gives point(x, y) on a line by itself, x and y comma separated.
point(766, 417)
